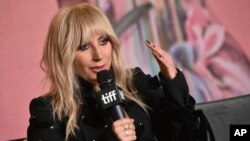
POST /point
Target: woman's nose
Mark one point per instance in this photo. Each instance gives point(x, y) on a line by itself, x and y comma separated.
point(97, 54)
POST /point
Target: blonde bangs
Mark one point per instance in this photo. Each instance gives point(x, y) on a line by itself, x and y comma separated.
point(86, 22)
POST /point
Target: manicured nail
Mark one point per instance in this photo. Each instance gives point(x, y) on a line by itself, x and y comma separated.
point(147, 42)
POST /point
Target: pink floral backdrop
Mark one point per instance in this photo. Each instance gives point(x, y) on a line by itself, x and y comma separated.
point(215, 64)
point(208, 40)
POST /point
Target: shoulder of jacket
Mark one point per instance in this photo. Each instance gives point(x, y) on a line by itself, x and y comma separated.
point(42, 101)
point(140, 79)
point(137, 73)
point(41, 112)
point(145, 80)
point(137, 70)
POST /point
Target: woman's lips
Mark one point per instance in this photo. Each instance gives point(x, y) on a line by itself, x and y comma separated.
point(98, 68)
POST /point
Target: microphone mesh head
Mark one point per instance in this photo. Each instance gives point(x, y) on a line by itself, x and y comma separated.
point(104, 76)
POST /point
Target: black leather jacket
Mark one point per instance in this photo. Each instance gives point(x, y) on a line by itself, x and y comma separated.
point(171, 117)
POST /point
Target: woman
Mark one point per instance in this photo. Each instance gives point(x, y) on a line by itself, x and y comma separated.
point(80, 43)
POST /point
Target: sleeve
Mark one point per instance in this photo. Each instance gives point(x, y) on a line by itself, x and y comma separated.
point(173, 116)
point(42, 126)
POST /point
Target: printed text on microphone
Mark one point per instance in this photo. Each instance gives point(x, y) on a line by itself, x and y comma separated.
point(109, 97)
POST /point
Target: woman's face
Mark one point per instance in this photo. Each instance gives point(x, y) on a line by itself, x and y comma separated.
point(92, 57)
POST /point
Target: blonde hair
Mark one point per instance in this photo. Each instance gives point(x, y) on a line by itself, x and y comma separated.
point(70, 27)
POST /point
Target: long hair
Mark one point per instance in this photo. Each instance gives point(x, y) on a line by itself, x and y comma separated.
point(71, 26)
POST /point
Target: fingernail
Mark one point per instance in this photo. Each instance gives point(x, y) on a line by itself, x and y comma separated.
point(148, 42)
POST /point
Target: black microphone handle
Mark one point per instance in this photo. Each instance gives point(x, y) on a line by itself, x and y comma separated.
point(117, 112)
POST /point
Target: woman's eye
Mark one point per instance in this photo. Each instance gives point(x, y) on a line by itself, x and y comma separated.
point(103, 41)
point(83, 47)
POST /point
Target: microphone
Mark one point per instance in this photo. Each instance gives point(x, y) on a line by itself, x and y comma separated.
point(109, 97)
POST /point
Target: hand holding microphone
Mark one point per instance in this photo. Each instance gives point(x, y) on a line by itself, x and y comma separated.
point(110, 100)
point(124, 129)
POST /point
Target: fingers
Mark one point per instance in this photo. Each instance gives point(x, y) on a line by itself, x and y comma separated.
point(165, 61)
point(124, 123)
point(124, 129)
point(161, 56)
point(156, 52)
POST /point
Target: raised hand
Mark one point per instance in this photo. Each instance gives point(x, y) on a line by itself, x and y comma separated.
point(165, 61)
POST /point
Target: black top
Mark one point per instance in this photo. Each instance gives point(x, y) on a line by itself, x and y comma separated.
point(171, 117)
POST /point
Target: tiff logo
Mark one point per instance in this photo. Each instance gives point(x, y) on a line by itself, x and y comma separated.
point(109, 97)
